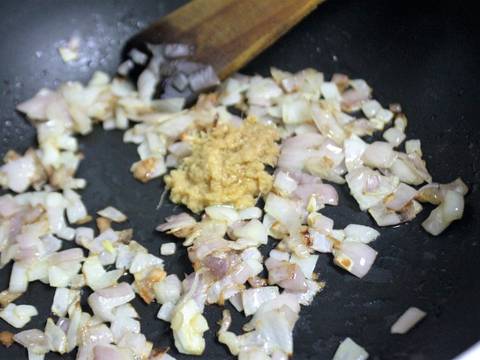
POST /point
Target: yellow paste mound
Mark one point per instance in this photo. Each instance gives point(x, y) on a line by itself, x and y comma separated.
point(227, 166)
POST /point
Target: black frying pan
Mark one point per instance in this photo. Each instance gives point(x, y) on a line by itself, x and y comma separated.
point(423, 54)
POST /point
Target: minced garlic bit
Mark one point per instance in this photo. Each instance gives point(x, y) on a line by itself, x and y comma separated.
point(227, 166)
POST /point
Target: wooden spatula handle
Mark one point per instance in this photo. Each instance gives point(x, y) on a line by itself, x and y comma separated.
point(228, 33)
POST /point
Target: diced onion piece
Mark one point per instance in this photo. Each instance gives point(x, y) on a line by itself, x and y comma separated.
point(349, 350)
point(320, 222)
point(379, 155)
point(103, 301)
point(295, 110)
point(236, 301)
point(307, 265)
point(370, 108)
point(62, 300)
point(262, 91)
point(384, 115)
point(168, 248)
point(76, 210)
point(203, 79)
point(369, 187)
point(401, 122)
point(354, 147)
point(56, 337)
point(330, 91)
point(250, 213)
point(355, 257)
point(168, 290)
point(253, 298)
point(452, 207)
point(188, 325)
point(435, 224)
point(113, 214)
point(283, 210)
point(401, 197)
point(222, 213)
point(95, 275)
point(408, 320)
point(449, 210)
point(394, 136)
point(142, 261)
point(166, 312)
point(18, 279)
point(18, 315)
point(138, 57)
point(19, 173)
point(125, 67)
point(279, 255)
point(284, 184)
point(319, 242)
point(413, 146)
point(360, 233)
point(34, 340)
point(252, 230)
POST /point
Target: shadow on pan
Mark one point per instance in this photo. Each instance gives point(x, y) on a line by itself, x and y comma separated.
point(423, 54)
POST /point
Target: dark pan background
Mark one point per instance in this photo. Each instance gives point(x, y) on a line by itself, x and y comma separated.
point(423, 54)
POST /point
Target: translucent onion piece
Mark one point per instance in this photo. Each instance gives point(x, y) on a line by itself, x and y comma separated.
point(113, 214)
point(349, 350)
point(355, 257)
point(408, 320)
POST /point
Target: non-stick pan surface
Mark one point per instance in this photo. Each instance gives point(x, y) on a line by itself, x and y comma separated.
point(423, 54)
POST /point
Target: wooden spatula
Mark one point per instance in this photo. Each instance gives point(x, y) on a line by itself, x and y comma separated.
point(227, 34)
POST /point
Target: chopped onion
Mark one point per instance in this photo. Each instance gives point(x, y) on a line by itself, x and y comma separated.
point(203, 79)
point(370, 108)
point(307, 265)
point(113, 214)
point(449, 210)
point(252, 230)
point(283, 184)
point(166, 312)
point(379, 155)
point(62, 300)
point(252, 299)
point(18, 315)
point(279, 255)
point(394, 136)
point(413, 146)
point(360, 233)
point(168, 248)
point(142, 261)
point(76, 210)
point(188, 326)
point(250, 213)
point(408, 320)
point(222, 213)
point(283, 210)
point(18, 279)
point(95, 275)
point(34, 340)
point(355, 257)
point(452, 207)
point(105, 300)
point(401, 197)
point(176, 223)
point(319, 242)
point(56, 337)
point(330, 91)
point(350, 350)
point(168, 290)
point(354, 148)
